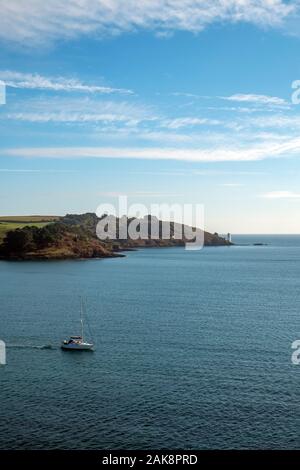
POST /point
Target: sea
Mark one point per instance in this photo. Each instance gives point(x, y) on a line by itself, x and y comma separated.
point(193, 349)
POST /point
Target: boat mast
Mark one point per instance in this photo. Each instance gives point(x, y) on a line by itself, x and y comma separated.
point(81, 318)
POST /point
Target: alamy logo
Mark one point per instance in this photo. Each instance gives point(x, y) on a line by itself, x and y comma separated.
point(2, 353)
point(166, 222)
point(296, 353)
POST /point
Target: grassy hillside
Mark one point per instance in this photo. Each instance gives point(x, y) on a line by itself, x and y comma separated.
point(28, 218)
point(8, 223)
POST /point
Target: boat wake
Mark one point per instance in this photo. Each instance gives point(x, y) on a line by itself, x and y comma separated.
point(30, 346)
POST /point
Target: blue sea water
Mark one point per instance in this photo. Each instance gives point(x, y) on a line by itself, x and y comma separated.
point(193, 350)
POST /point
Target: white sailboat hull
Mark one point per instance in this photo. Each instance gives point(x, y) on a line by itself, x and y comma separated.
point(78, 346)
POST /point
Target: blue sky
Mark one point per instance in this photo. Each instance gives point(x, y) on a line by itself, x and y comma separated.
point(177, 102)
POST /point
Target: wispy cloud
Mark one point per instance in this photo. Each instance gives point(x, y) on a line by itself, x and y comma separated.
point(281, 195)
point(231, 185)
point(223, 154)
point(256, 99)
point(177, 123)
point(276, 121)
point(78, 110)
point(137, 194)
point(37, 21)
point(23, 170)
point(185, 95)
point(39, 82)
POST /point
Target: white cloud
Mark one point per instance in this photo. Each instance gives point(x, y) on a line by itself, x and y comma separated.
point(281, 195)
point(257, 99)
point(185, 95)
point(38, 82)
point(137, 193)
point(94, 110)
point(159, 136)
point(188, 121)
point(276, 121)
point(36, 21)
point(231, 185)
point(15, 170)
point(253, 153)
point(21, 170)
point(78, 110)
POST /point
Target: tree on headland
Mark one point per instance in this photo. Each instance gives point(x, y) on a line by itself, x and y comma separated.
point(26, 239)
point(19, 240)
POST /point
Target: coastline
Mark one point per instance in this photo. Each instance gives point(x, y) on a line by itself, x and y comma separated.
point(74, 237)
point(117, 254)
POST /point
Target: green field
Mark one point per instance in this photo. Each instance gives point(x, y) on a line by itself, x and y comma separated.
point(13, 222)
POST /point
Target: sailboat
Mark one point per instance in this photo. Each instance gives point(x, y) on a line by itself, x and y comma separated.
point(78, 343)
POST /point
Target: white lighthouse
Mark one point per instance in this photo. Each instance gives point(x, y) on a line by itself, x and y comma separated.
point(229, 237)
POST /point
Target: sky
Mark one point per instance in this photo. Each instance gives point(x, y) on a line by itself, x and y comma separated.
point(179, 101)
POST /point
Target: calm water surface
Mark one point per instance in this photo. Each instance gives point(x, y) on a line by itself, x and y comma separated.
point(193, 350)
